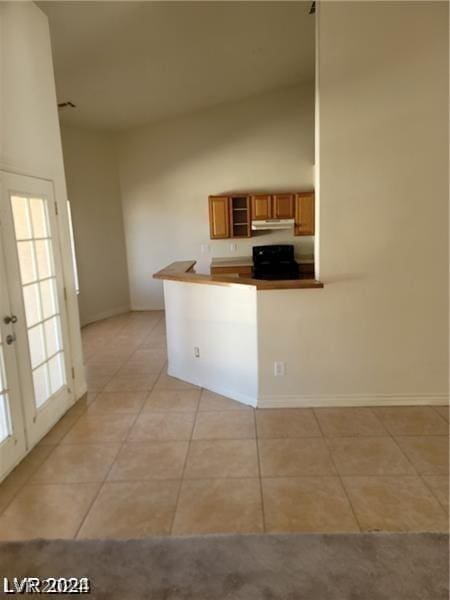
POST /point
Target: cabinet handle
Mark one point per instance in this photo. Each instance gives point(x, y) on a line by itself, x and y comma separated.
point(10, 339)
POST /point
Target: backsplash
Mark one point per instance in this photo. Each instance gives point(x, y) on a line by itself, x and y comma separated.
point(303, 244)
point(222, 248)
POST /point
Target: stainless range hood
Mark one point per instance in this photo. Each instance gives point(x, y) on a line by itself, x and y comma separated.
point(273, 224)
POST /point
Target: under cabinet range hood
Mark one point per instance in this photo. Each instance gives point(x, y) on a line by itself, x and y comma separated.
point(273, 224)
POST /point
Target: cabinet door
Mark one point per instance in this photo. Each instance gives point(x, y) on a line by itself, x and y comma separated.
point(283, 206)
point(219, 217)
point(261, 207)
point(304, 213)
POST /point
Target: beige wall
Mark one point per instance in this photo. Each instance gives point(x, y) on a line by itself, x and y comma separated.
point(30, 141)
point(94, 193)
point(378, 331)
point(168, 170)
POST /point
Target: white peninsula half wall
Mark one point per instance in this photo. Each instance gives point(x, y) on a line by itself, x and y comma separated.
point(267, 343)
point(212, 337)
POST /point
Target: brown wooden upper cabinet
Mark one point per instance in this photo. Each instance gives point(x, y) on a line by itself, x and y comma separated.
point(276, 206)
point(304, 213)
point(261, 207)
point(231, 216)
point(219, 217)
point(283, 206)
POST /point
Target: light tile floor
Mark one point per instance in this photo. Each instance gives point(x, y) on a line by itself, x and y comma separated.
point(147, 454)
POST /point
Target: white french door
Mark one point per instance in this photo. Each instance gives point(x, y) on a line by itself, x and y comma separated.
point(35, 285)
point(12, 427)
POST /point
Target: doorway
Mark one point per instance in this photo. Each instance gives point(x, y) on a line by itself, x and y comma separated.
point(35, 362)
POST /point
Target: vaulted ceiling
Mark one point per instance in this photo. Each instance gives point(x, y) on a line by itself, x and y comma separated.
point(124, 64)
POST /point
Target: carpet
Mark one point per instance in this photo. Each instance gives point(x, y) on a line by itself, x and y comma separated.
point(374, 566)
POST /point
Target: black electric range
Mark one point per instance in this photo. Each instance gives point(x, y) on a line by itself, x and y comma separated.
point(275, 262)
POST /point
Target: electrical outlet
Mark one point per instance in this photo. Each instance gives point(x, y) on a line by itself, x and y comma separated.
point(196, 352)
point(279, 368)
point(205, 248)
point(233, 247)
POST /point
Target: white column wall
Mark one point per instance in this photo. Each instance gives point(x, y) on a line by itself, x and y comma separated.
point(30, 141)
point(221, 321)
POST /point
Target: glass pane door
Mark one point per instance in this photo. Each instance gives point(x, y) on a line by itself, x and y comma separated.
point(42, 311)
point(35, 275)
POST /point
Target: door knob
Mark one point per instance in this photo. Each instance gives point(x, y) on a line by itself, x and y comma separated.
point(10, 319)
point(10, 339)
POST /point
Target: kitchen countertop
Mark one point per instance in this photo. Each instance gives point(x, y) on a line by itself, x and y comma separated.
point(184, 271)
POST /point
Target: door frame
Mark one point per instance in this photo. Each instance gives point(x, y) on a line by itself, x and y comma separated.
point(38, 420)
point(14, 447)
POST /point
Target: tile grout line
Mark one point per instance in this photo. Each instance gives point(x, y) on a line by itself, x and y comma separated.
point(102, 389)
point(435, 408)
point(34, 471)
point(258, 458)
point(352, 508)
point(418, 474)
point(217, 478)
point(433, 493)
point(104, 480)
point(27, 479)
point(182, 479)
point(416, 470)
point(122, 328)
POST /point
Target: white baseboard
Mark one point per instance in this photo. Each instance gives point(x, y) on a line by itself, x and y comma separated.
point(146, 308)
point(80, 391)
point(299, 401)
point(212, 387)
point(112, 312)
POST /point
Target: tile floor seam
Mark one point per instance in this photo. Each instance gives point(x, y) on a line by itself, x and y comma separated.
point(102, 389)
point(182, 479)
point(372, 474)
point(416, 471)
point(431, 473)
point(128, 441)
point(98, 444)
point(417, 474)
point(27, 480)
point(77, 418)
point(435, 408)
point(352, 508)
point(101, 486)
point(260, 475)
point(422, 435)
point(430, 489)
point(309, 476)
point(34, 471)
point(379, 419)
point(409, 434)
point(127, 437)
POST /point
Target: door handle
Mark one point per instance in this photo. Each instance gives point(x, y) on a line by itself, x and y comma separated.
point(10, 339)
point(10, 319)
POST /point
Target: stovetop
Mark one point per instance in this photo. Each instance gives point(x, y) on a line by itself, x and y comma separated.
point(274, 262)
